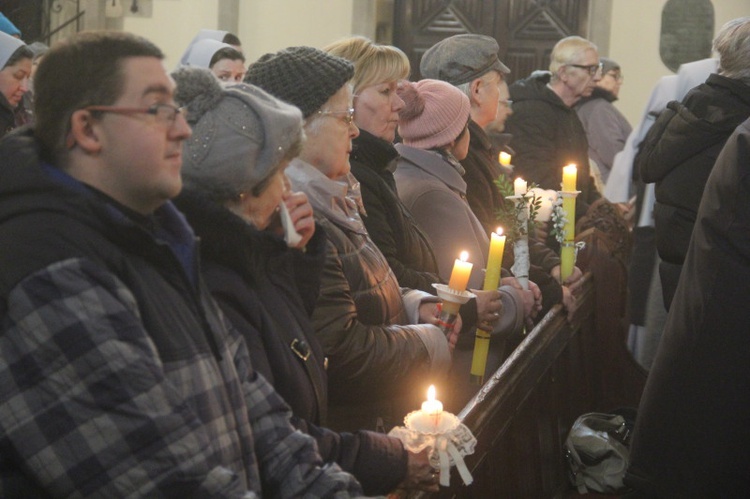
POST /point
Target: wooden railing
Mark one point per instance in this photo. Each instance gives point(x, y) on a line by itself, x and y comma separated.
point(564, 367)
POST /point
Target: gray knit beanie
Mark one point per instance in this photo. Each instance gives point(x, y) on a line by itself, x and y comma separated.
point(240, 133)
point(304, 76)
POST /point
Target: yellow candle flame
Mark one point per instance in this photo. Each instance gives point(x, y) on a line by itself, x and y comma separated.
point(499, 231)
point(504, 158)
point(464, 256)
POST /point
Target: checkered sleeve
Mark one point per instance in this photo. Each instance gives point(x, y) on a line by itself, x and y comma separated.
point(289, 462)
point(86, 408)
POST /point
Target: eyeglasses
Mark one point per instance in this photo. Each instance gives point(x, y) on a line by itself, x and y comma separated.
point(618, 77)
point(592, 68)
point(507, 103)
point(164, 113)
point(348, 115)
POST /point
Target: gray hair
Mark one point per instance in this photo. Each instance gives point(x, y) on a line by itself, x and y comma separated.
point(732, 43)
point(466, 87)
point(567, 50)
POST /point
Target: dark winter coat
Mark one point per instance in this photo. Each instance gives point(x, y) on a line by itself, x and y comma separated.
point(481, 169)
point(379, 357)
point(678, 154)
point(388, 222)
point(268, 292)
point(547, 135)
point(692, 437)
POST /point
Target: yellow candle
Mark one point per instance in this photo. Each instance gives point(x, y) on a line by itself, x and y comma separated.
point(519, 187)
point(567, 251)
point(504, 158)
point(461, 272)
point(495, 260)
point(570, 173)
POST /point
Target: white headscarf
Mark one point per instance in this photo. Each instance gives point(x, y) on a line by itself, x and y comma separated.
point(8, 45)
point(204, 34)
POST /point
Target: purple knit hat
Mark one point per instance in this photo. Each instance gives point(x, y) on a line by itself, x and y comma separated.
point(434, 115)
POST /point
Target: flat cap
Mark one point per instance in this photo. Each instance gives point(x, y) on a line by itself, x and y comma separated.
point(461, 59)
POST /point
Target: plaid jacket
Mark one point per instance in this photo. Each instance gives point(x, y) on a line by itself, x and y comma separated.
point(118, 376)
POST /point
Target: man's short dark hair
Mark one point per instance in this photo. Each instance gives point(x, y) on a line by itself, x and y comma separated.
point(230, 53)
point(83, 70)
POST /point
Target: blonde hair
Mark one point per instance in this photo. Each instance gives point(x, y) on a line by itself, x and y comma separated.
point(373, 63)
point(566, 51)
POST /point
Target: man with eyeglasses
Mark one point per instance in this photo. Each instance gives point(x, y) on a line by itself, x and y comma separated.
point(119, 375)
point(547, 134)
point(606, 127)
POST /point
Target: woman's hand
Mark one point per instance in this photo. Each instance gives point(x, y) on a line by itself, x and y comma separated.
point(489, 308)
point(574, 277)
point(420, 474)
point(429, 313)
point(301, 213)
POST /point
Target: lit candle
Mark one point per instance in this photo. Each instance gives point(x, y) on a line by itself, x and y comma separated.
point(495, 260)
point(519, 187)
point(461, 272)
point(569, 178)
point(431, 407)
point(504, 158)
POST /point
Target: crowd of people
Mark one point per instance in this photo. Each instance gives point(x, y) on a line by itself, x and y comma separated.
point(220, 281)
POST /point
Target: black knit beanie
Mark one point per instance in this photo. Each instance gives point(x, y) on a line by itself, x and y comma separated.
point(303, 76)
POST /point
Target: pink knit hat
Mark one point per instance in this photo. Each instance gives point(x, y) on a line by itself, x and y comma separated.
point(434, 115)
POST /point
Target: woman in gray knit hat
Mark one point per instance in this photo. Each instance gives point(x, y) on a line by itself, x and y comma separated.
point(383, 347)
point(253, 229)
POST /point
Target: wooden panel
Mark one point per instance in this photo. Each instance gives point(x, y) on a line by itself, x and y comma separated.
point(519, 26)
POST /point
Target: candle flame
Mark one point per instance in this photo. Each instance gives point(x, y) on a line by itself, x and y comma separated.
point(571, 165)
point(464, 256)
point(499, 231)
point(431, 393)
point(504, 158)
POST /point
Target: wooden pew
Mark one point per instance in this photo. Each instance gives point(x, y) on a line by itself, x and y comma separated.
point(560, 370)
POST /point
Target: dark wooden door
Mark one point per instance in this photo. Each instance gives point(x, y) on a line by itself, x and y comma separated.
point(526, 30)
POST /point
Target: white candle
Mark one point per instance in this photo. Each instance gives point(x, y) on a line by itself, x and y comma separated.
point(431, 407)
point(519, 187)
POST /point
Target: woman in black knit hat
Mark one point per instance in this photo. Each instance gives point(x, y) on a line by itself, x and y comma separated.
point(383, 347)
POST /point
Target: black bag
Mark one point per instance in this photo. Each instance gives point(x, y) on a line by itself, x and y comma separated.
point(597, 451)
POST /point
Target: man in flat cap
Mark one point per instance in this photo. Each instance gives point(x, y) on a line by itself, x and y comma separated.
point(471, 63)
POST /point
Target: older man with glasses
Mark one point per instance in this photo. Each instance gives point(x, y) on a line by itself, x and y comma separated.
point(547, 133)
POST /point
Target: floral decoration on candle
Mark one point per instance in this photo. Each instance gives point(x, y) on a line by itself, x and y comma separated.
point(563, 218)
